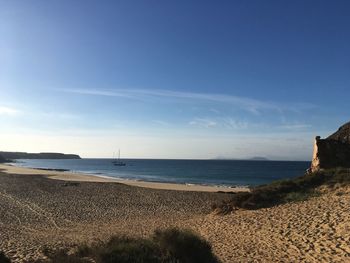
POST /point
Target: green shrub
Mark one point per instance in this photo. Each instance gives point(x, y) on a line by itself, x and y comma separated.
point(184, 246)
point(3, 258)
point(61, 255)
point(298, 196)
point(170, 245)
point(124, 249)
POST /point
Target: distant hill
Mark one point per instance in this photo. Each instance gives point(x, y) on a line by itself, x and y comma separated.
point(45, 155)
point(258, 158)
point(2, 159)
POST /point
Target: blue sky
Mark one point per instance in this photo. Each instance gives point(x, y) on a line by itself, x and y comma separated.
point(173, 79)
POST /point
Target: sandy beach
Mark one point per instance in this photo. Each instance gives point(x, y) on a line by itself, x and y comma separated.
point(37, 211)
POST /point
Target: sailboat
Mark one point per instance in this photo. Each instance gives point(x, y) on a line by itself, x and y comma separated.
point(118, 162)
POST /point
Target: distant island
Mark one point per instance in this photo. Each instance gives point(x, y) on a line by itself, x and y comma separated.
point(43, 155)
point(255, 158)
point(258, 158)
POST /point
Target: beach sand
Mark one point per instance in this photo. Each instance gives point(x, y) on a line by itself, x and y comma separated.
point(36, 211)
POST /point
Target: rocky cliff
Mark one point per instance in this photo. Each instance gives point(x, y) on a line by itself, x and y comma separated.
point(342, 135)
point(334, 151)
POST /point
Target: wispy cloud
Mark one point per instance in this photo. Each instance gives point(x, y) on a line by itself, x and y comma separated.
point(215, 111)
point(204, 123)
point(8, 111)
point(114, 93)
point(160, 122)
point(58, 115)
point(231, 123)
point(253, 106)
point(295, 126)
point(221, 122)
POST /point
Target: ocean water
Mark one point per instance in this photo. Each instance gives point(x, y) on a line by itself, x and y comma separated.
point(205, 172)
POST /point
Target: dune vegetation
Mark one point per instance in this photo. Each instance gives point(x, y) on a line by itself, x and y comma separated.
point(3, 258)
point(284, 191)
point(169, 245)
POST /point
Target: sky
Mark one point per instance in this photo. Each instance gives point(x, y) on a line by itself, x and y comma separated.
point(173, 79)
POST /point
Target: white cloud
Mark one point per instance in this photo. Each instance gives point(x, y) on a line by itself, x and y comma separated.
point(55, 115)
point(222, 122)
point(215, 111)
point(97, 92)
point(295, 126)
point(206, 123)
point(160, 122)
point(8, 111)
point(253, 106)
point(234, 124)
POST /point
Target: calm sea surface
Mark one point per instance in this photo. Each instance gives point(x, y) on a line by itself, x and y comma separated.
point(207, 172)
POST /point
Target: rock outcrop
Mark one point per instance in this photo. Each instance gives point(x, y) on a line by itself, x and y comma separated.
point(342, 135)
point(334, 151)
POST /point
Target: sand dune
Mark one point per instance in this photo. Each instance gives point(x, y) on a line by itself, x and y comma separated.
point(317, 230)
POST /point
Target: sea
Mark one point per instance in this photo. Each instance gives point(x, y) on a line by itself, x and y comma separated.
point(225, 173)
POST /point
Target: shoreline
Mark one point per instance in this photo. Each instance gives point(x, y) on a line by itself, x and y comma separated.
point(81, 177)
